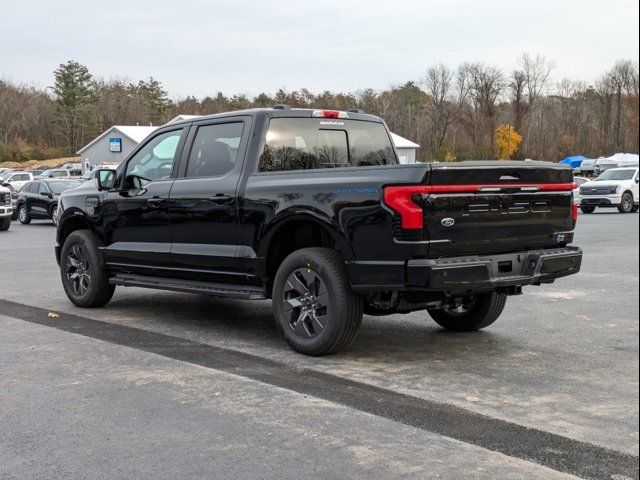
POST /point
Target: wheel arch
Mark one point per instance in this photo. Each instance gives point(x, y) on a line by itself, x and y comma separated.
point(68, 223)
point(297, 231)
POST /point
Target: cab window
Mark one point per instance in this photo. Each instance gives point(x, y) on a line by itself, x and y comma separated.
point(154, 162)
point(215, 150)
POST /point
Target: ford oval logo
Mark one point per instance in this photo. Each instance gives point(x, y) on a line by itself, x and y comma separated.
point(448, 222)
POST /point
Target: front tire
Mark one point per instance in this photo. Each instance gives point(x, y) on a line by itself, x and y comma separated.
point(84, 278)
point(627, 203)
point(314, 307)
point(587, 209)
point(54, 214)
point(472, 313)
point(5, 223)
point(23, 215)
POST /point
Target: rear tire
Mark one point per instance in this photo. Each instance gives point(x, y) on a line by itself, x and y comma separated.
point(627, 203)
point(5, 223)
point(23, 215)
point(478, 312)
point(83, 275)
point(587, 209)
point(314, 307)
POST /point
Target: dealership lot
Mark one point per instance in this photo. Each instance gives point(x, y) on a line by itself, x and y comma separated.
point(163, 384)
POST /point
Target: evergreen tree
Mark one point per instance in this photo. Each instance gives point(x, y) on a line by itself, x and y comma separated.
point(75, 95)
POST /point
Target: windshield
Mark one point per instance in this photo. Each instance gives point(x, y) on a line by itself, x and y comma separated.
point(58, 187)
point(616, 175)
point(307, 143)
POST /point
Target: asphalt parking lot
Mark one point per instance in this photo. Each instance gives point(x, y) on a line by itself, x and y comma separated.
point(168, 385)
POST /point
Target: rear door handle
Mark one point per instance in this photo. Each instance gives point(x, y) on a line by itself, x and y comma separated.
point(221, 198)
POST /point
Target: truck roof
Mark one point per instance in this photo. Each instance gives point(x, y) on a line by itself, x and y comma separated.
point(284, 112)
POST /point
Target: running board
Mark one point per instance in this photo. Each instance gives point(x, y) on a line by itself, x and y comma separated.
point(243, 292)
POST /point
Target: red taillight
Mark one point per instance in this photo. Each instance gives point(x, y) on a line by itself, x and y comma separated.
point(330, 114)
point(400, 200)
point(574, 212)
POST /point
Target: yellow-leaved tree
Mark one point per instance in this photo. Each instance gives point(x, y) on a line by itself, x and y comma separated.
point(506, 141)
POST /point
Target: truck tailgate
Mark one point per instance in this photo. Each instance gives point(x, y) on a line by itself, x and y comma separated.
point(497, 207)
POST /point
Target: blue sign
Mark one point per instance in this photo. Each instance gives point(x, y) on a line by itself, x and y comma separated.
point(115, 145)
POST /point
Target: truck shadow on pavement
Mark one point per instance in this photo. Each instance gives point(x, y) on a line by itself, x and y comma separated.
point(241, 324)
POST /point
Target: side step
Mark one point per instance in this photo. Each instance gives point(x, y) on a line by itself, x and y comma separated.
point(243, 292)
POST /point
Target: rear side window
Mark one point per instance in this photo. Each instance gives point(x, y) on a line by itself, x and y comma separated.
point(309, 143)
point(215, 150)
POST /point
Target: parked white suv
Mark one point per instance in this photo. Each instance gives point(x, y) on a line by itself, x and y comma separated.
point(61, 173)
point(616, 187)
point(6, 209)
point(16, 179)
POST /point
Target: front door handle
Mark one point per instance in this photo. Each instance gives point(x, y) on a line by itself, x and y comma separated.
point(221, 198)
point(155, 202)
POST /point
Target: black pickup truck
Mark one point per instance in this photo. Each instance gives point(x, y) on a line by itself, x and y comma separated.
point(311, 209)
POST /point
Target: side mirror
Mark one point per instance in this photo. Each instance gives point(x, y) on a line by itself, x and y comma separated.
point(106, 179)
point(637, 180)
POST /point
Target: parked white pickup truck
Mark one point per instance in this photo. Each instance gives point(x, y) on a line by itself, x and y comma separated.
point(6, 209)
point(616, 187)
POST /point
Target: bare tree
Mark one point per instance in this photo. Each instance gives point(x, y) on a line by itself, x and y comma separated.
point(527, 84)
point(438, 82)
point(480, 88)
point(620, 79)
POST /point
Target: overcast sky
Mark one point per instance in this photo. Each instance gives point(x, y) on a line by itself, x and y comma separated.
point(246, 46)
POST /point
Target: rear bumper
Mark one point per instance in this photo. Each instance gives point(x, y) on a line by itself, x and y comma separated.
point(469, 274)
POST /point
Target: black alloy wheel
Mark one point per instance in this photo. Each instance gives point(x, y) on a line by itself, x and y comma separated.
point(77, 270)
point(305, 303)
point(84, 276)
point(314, 307)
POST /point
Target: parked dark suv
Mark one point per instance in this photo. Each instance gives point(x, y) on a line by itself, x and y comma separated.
point(39, 199)
point(311, 209)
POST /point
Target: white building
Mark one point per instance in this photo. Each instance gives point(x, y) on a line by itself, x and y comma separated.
point(406, 148)
point(113, 145)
